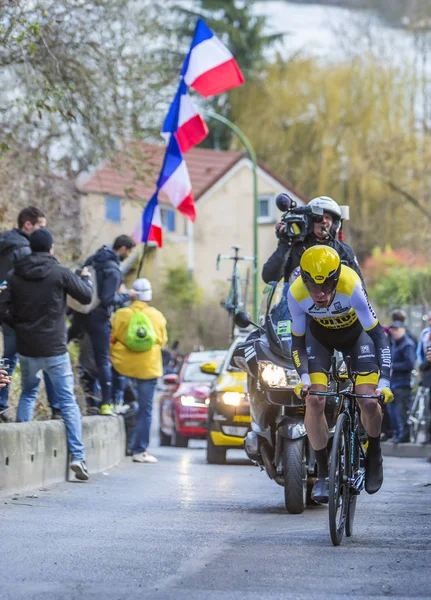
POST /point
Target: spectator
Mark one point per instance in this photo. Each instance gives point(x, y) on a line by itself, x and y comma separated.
point(142, 368)
point(423, 355)
point(400, 315)
point(403, 362)
point(37, 289)
point(14, 245)
point(106, 262)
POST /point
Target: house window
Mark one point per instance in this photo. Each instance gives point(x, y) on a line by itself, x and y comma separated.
point(113, 209)
point(266, 209)
point(168, 219)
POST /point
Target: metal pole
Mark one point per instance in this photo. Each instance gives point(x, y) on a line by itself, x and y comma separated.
point(252, 156)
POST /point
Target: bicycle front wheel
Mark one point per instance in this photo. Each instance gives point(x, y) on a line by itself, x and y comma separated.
point(339, 479)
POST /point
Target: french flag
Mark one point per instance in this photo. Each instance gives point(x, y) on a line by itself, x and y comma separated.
point(209, 67)
point(149, 228)
point(174, 180)
point(184, 120)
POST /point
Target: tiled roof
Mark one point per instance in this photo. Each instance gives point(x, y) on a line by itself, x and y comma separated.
point(134, 171)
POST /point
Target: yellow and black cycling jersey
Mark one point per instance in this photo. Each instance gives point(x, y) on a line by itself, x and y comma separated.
point(349, 304)
point(348, 314)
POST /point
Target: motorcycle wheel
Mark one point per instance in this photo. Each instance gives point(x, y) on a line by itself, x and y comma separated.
point(294, 462)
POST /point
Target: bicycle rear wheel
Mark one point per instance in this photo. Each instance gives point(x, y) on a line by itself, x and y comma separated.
point(339, 476)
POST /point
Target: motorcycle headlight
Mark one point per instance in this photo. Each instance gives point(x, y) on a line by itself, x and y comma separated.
point(233, 398)
point(277, 377)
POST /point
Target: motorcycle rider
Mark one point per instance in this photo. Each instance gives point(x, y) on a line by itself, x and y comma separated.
point(285, 260)
point(331, 311)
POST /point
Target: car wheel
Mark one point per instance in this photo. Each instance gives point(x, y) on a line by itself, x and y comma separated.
point(164, 439)
point(215, 455)
point(177, 440)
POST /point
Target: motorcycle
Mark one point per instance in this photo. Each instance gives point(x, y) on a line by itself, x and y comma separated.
point(278, 440)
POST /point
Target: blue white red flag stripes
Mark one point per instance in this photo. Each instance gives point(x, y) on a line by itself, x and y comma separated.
point(149, 228)
point(184, 120)
point(209, 67)
point(174, 180)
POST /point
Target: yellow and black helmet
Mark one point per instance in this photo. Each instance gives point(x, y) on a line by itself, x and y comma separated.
point(320, 268)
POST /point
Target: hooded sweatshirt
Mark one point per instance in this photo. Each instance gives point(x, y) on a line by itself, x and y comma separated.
point(37, 290)
point(14, 245)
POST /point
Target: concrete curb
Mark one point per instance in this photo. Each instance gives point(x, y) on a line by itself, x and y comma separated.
point(35, 454)
point(406, 450)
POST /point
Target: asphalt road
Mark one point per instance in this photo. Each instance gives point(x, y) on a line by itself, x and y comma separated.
point(185, 530)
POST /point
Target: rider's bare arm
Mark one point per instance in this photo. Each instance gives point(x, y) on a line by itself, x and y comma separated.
point(298, 326)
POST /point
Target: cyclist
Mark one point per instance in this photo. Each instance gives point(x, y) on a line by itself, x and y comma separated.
point(341, 318)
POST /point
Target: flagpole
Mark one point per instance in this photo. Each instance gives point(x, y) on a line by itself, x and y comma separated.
point(252, 156)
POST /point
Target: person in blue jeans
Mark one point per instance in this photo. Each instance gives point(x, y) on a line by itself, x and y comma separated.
point(142, 368)
point(97, 323)
point(35, 307)
point(14, 245)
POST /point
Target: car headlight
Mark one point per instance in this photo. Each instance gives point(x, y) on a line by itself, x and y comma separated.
point(192, 401)
point(233, 398)
point(277, 377)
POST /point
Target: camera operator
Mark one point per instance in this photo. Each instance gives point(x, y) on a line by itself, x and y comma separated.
point(300, 228)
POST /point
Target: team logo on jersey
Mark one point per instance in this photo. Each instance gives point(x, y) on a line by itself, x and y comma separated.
point(339, 308)
point(365, 349)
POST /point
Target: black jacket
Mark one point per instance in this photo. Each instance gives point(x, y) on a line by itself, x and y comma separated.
point(14, 245)
point(36, 299)
point(403, 361)
point(285, 259)
point(107, 266)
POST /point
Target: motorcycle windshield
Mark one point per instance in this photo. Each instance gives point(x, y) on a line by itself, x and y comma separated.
point(274, 315)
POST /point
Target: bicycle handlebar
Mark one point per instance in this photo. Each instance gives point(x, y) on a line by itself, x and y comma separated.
point(380, 397)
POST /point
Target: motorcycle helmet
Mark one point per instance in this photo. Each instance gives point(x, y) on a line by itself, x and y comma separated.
point(330, 206)
point(320, 268)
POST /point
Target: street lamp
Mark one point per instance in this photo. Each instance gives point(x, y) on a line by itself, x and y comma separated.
point(252, 156)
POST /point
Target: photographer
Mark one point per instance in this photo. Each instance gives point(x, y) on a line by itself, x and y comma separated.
point(300, 228)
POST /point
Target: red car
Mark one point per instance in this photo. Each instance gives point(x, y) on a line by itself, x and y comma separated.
point(184, 401)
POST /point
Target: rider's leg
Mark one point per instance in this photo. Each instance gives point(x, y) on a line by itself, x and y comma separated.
point(371, 413)
point(371, 417)
point(315, 420)
point(317, 432)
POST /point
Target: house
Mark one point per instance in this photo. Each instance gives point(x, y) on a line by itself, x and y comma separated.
point(112, 199)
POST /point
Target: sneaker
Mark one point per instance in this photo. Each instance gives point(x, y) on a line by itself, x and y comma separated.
point(5, 416)
point(80, 469)
point(121, 409)
point(373, 473)
point(93, 411)
point(144, 457)
point(107, 410)
point(320, 491)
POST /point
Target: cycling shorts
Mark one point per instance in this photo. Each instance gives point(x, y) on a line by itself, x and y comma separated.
point(353, 341)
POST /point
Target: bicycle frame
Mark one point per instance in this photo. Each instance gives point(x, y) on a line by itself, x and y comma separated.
point(234, 301)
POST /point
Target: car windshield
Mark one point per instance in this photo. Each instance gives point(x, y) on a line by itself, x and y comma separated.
point(193, 373)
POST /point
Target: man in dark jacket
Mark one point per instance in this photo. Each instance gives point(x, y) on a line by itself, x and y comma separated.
point(37, 289)
point(14, 245)
point(106, 262)
point(403, 351)
point(284, 262)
